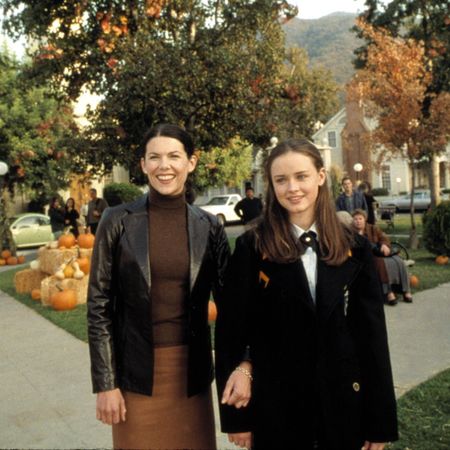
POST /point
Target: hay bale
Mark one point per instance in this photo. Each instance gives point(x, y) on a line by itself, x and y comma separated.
point(51, 285)
point(51, 259)
point(28, 279)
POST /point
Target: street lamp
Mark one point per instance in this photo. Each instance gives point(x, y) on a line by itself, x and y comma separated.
point(358, 167)
point(3, 168)
point(398, 180)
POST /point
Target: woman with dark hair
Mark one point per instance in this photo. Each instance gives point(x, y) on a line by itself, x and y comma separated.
point(56, 214)
point(155, 262)
point(71, 216)
point(301, 347)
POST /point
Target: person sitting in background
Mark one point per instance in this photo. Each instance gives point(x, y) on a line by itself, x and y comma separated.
point(56, 214)
point(391, 268)
point(71, 216)
point(366, 189)
point(249, 207)
point(350, 199)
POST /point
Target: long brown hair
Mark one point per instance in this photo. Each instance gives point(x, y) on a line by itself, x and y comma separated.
point(273, 231)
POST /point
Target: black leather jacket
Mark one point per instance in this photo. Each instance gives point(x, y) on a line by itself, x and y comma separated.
point(119, 303)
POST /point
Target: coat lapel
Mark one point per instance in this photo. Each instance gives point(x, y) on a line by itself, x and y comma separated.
point(198, 229)
point(332, 281)
point(136, 232)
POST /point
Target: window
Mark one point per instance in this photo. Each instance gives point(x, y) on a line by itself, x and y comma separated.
point(386, 177)
point(332, 138)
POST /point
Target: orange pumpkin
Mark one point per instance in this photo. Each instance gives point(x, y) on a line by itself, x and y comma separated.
point(66, 240)
point(442, 260)
point(85, 265)
point(36, 294)
point(212, 311)
point(20, 259)
point(414, 281)
point(5, 254)
point(64, 300)
point(86, 240)
point(2, 262)
point(11, 261)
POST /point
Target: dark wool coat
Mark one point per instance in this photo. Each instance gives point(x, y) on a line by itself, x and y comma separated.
point(321, 371)
point(119, 302)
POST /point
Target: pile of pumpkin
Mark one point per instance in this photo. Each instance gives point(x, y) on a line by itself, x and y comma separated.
point(59, 277)
point(7, 258)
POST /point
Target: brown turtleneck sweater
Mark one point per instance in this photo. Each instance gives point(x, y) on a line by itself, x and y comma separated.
point(169, 268)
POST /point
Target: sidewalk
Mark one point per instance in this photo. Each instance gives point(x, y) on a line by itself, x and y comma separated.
point(45, 387)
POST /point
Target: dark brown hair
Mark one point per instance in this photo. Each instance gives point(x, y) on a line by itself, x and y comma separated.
point(273, 232)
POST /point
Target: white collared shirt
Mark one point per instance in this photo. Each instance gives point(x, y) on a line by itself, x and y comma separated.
point(309, 260)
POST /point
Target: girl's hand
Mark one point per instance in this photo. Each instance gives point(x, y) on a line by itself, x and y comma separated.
point(111, 407)
point(373, 445)
point(238, 389)
point(385, 250)
point(243, 440)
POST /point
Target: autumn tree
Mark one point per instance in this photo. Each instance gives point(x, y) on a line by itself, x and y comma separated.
point(428, 22)
point(393, 86)
point(306, 96)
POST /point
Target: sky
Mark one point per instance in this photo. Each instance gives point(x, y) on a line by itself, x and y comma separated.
point(313, 9)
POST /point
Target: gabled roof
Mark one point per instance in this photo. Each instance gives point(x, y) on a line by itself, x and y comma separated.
point(331, 124)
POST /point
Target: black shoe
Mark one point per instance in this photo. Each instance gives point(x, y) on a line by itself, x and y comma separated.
point(392, 302)
point(407, 299)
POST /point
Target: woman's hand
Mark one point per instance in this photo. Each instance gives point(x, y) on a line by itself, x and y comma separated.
point(238, 389)
point(243, 440)
point(385, 250)
point(111, 407)
point(373, 445)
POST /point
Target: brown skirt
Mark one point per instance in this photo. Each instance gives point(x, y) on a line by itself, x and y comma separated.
point(168, 419)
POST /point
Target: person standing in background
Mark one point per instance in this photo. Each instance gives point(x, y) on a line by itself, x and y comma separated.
point(366, 189)
point(249, 207)
point(350, 199)
point(96, 206)
point(71, 216)
point(56, 214)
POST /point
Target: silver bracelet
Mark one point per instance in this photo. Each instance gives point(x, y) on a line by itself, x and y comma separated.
point(245, 372)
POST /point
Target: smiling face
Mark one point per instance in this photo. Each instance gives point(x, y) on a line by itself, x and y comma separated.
point(167, 165)
point(296, 183)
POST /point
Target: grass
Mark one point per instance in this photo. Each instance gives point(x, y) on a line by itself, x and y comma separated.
point(402, 224)
point(424, 416)
point(73, 321)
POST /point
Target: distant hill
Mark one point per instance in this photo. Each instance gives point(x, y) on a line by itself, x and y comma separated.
point(328, 41)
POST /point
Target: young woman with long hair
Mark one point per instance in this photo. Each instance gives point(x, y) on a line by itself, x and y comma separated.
point(301, 347)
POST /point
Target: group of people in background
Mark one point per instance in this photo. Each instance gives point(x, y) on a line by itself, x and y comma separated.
point(68, 218)
point(302, 357)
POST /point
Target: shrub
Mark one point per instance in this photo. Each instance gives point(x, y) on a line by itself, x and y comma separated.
point(436, 229)
point(379, 191)
point(117, 193)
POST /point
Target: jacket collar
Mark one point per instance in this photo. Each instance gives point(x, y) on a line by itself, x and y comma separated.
point(136, 232)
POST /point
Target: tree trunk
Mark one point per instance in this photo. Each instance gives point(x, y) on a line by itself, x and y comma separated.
point(413, 242)
point(434, 181)
point(6, 238)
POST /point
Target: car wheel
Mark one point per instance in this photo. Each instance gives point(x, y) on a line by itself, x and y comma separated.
point(221, 219)
point(397, 209)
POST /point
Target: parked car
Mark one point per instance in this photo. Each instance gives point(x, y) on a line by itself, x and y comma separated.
point(422, 201)
point(31, 230)
point(222, 206)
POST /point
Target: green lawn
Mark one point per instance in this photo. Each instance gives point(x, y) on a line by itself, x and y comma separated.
point(402, 224)
point(424, 416)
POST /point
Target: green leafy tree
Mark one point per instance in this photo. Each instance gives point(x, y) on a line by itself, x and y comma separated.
point(229, 165)
point(36, 133)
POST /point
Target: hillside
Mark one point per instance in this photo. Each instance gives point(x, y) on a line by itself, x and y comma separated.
point(328, 41)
